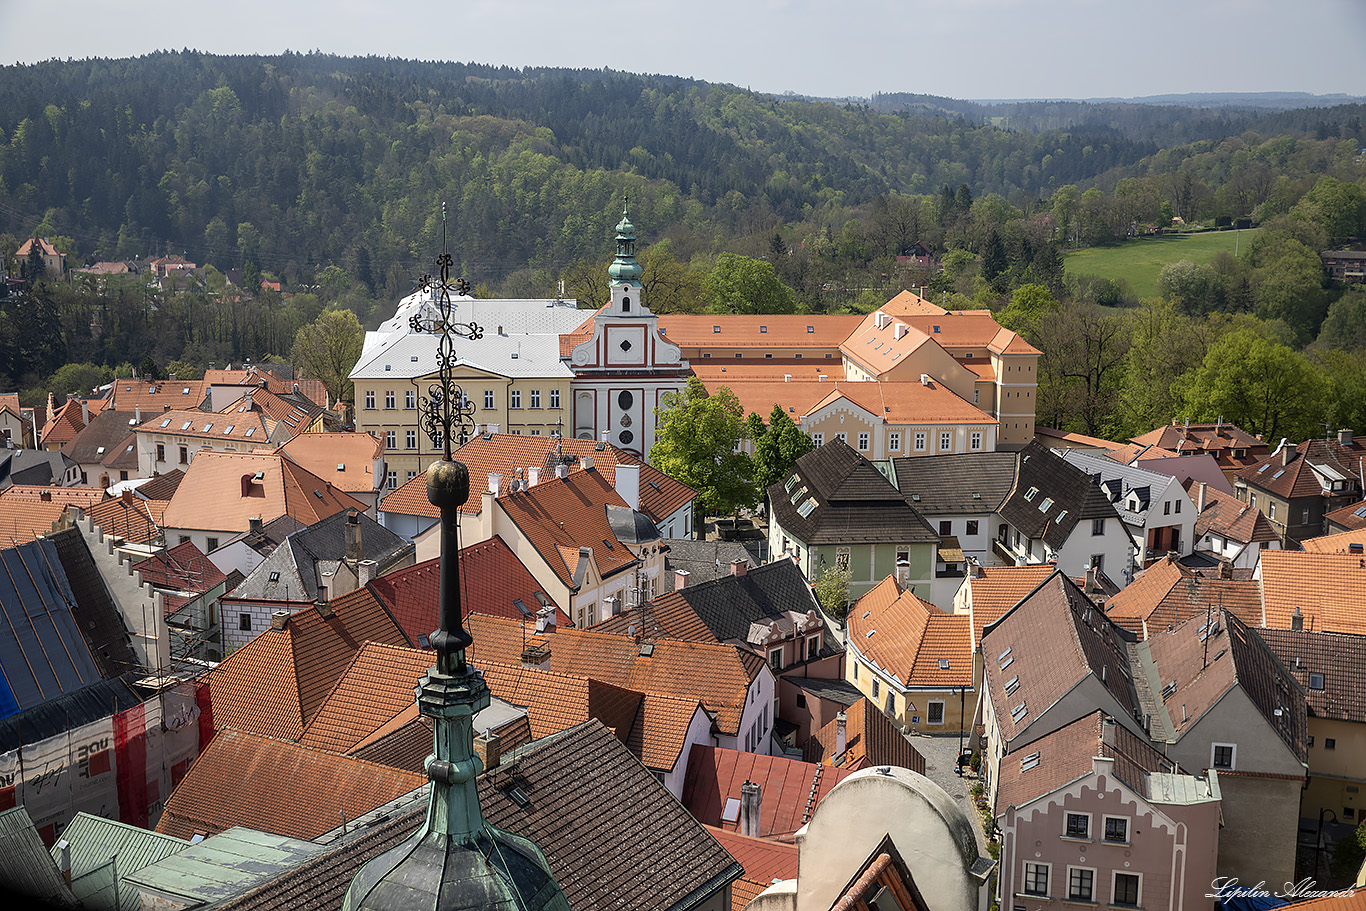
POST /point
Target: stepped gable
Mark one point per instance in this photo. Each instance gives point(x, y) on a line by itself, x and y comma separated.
point(275, 684)
point(130, 519)
point(295, 791)
point(852, 501)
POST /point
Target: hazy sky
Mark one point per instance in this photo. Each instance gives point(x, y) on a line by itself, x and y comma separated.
point(957, 48)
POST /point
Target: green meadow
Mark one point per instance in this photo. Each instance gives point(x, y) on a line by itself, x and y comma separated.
point(1139, 261)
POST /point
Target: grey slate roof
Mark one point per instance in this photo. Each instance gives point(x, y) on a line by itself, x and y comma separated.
point(1075, 498)
point(26, 869)
point(729, 605)
point(853, 502)
point(95, 842)
point(94, 610)
point(42, 651)
point(703, 560)
point(96, 441)
point(32, 466)
point(956, 484)
point(310, 551)
point(840, 691)
point(614, 837)
point(631, 526)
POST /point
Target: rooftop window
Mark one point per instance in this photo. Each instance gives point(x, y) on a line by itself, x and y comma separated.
point(1031, 494)
point(1316, 682)
point(1018, 712)
point(1029, 762)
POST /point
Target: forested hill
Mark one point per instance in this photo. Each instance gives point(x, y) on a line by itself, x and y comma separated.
point(295, 162)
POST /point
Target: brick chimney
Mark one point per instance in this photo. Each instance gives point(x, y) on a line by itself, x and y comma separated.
point(586, 462)
point(1225, 569)
point(751, 798)
point(279, 620)
point(1297, 619)
point(254, 525)
point(489, 749)
point(739, 567)
point(681, 578)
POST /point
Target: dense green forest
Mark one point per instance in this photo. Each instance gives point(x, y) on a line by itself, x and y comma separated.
point(329, 174)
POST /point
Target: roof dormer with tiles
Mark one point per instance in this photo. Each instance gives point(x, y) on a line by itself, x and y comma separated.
point(171, 439)
point(623, 370)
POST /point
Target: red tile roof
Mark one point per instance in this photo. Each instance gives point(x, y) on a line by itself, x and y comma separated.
point(996, 589)
point(276, 683)
point(909, 638)
point(314, 390)
point(1291, 474)
point(764, 859)
point(81, 497)
point(1340, 543)
point(1228, 517)
point(492, 580)
point(135, 520)
point(561, 515)
point(67, 420)
point(790, 790)
point(295, 790)
point(376, 687)
point(22, 521)
point(1219, 439)
point(698, 331)
point(669, 616)
point(220, 492)
point(273, 408)
point(182, 568)
point(1167, 593)
point(1351, 516)
point(718, 675)
point(153, 395)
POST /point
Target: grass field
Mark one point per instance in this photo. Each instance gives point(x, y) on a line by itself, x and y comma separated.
point(1140, 261)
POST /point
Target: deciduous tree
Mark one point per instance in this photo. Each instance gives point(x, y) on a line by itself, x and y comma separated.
point(777, 446)
point(697, 441)
point(328, 349)
point(1260, 385)
point(738, 284)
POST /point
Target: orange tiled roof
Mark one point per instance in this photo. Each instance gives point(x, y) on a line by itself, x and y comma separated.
point(910, 638)
point(661, 729)
point(314, 390)
point(22, 521)
point(1289, 473)
point(410, 499)
point(1351, 516)
point(206, 425)
point(375, 688)
point(1340, 543)
point(1167, 593)
point(1225, 515)
point(717, 675)
point(957, 328)
point(891, 402)
point(292, 414)
point(556, 701)
point(67, 420)
point(136, 521)
point(1219, 439)
point(769, 330)
point(81, 497)
point(561, 515)
point(152, 395)
point(220, 488)
point(570, 340)
point(996, 589)
point(508, 454)
point(181, 568)
point(294, 790)
point(345, 459)
point(276, 683)
point(669, 616)
point(1329, 589)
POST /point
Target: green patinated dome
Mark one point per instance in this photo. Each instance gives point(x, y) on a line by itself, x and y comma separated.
point(625, 269)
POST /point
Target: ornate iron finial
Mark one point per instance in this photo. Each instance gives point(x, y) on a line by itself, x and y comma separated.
point(445, 407)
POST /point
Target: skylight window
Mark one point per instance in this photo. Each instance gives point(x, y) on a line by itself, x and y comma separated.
point(208, 427)
point(1018, 712)
point(185, 391)
point(1012, 685)
point(186, 425)
point(1003, 656)
point(1029, 762)
point(807, 508)
point(1278, 474)
point(1031, 494)
point(99, 451)
point(608, 544)
point(1263, 468)
point(943, 664)
point(228, 429)
point(1316, 682)
point(1046, 505)
point(1062, 515)
point(318, 493)
point(275, 577)
point(716, 329)
point(250, 431)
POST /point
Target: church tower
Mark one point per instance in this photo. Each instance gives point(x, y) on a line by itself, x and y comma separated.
point(622, 371)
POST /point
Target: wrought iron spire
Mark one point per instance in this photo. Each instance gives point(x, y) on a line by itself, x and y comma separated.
point(456, 860)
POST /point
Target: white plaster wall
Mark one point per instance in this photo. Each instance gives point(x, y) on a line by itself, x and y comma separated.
point(140, 606)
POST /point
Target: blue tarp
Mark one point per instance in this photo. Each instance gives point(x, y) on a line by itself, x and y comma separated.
point(1251, 902)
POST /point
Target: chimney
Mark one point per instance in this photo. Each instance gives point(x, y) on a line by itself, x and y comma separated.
point(750, 799)
point(137, 413)
point(1225, 569)
point(323, 605)
point(489, 749)
point(1091, 579)
point(254, 525)
point(924, 379)
point(561, 471)
point(1345, 437)
point(738, 568)
point(586, 462)
point(607, 436)
point(495, 482)
point(1297, 619)
point(628, 484)
point(85, 413)
point(65, 847)
point(1200, 503)
point(166, 407)
point(821, 377)
point(279, 620)
point(365, 571)
point(899, 330)
point(841, 733)
point(681, 578)
point(533, 476)
point(353, 542)
point(1107, 731)
point(1286, 449)
point(545, 619)
point(787, 377)
point(46, 495)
